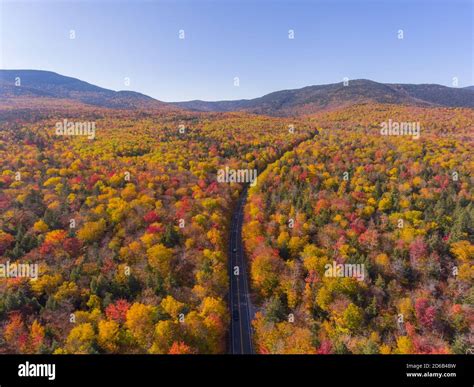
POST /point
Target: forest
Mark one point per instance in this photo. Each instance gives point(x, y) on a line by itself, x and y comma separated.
point(398, 207)
point(128, 229)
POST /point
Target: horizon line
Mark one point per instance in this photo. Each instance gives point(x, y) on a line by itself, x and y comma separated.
point(240, 99)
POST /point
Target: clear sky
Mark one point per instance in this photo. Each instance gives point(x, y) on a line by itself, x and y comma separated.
point(225, 39)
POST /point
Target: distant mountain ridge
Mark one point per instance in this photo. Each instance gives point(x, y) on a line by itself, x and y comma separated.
point(37, 85)
point(311, 99)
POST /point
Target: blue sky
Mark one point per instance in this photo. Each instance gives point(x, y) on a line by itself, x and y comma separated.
point(245, 39)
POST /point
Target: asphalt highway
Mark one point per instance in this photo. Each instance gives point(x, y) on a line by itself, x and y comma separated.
point(239, 298)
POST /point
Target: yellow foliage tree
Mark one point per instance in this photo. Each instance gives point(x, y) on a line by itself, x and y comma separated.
point(159, 258)
point(140, 323)
point(92, 231)
point(108, 336)
point(80, 339)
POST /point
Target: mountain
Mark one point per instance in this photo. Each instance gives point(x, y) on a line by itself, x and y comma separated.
point(311, 99)
point(49, 85)
point(46, 88)
point(438, 95)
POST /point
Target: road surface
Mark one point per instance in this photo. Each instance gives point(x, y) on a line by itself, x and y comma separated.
point(240, 308)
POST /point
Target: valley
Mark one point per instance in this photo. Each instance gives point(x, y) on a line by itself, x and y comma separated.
point(145, 243)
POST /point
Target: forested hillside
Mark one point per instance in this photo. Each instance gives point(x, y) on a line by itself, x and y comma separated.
point(396, 210)
point(129, 228)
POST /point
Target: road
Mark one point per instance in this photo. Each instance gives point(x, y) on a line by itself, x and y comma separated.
point(240, 304)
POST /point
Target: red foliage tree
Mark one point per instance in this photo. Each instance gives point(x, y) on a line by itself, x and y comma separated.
point(118, 310)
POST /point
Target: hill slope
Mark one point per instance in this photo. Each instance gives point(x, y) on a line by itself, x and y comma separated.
point(47, 84)
point(39, 86)
point(323, 97)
